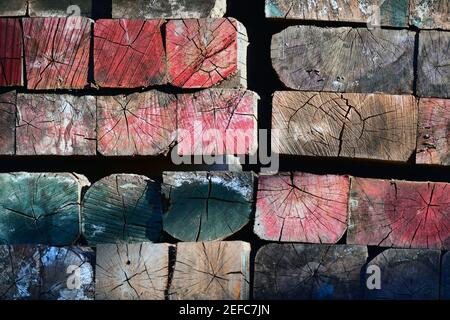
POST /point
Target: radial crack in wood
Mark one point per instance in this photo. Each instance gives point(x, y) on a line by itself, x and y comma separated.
point(211, 271)
point(40, 208)
point(59, 8)
point(366, 126)
point(393, 13)
point(433, 142)
point(122, 208)
point(55, 124)
point(434, 64)
point(57, 52)
point(205, 206)
point(302, 207)
point(430, 14)
point(46, 273)
point(399, 214)
point(129, 53)
point(406, 275)
point(207, 52)
point(309, 272)
point(137, 124)
point(172, 9)
point(11, 66)
point(132, 271)
point(344, 59)
point(7, 123)
point(218, 122)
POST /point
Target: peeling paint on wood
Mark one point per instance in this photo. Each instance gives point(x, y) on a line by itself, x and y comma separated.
point(344, 59)
point(7, 123)
point(40, 208)
point(10, 53)
point(45, 273)
point(430, 14)
point(218, 122)
point(129, 53)
point(302, 207)
point(399, 214)
point(168, 9)
point(205, 206)
point(122, 208)
point(13, 8)
point(137, 124)
point(211, 271)
point(309, 272)
point(392, 13)
point(59, 8)
point(206, 52)
point(52, 124)
point(433, 142)
point(434, 64)
point(132, 271)
point(406, 275)
point(366, 126)
point(57, 52)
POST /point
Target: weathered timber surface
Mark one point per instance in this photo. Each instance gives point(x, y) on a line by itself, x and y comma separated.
point(54, 124)
point(46, 273)
point(13, 8)
point(172, 9)
point(57, 52)
point(59, 8)
point(430, 14)
point(371, 126)
point(205, 206)
point(10, 53)
point(433, 142)
point(129, 53)
point(445, 277)
point(218, 122)
point(206, 52)
point(122, 208)
point(302, 207)
point(211, 271)
point(7, 123)
point(137, 124)
point(132, 271)
point(40, 208)
point(344, 59)
point(392, 13)
point(297, 271)
point(399, 214)
point(434, 64)
point(406, 275)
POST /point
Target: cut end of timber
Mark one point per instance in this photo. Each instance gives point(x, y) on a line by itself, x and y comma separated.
point(7, 123)
point(430, 14)
point(122, 208)
point(62, 62)
point(302, 207)
point(399, 214)
point(129, 53)
point(309, 272)
point(132, 271)
point(211, 271)
point(205, 206)
point(54, 124)
point(207, 52)
point(180, 9)
point(39, 208)
point(363, 126)
point(433, 142)
point(11, 64)
point(406, 275)
point(344, 59)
